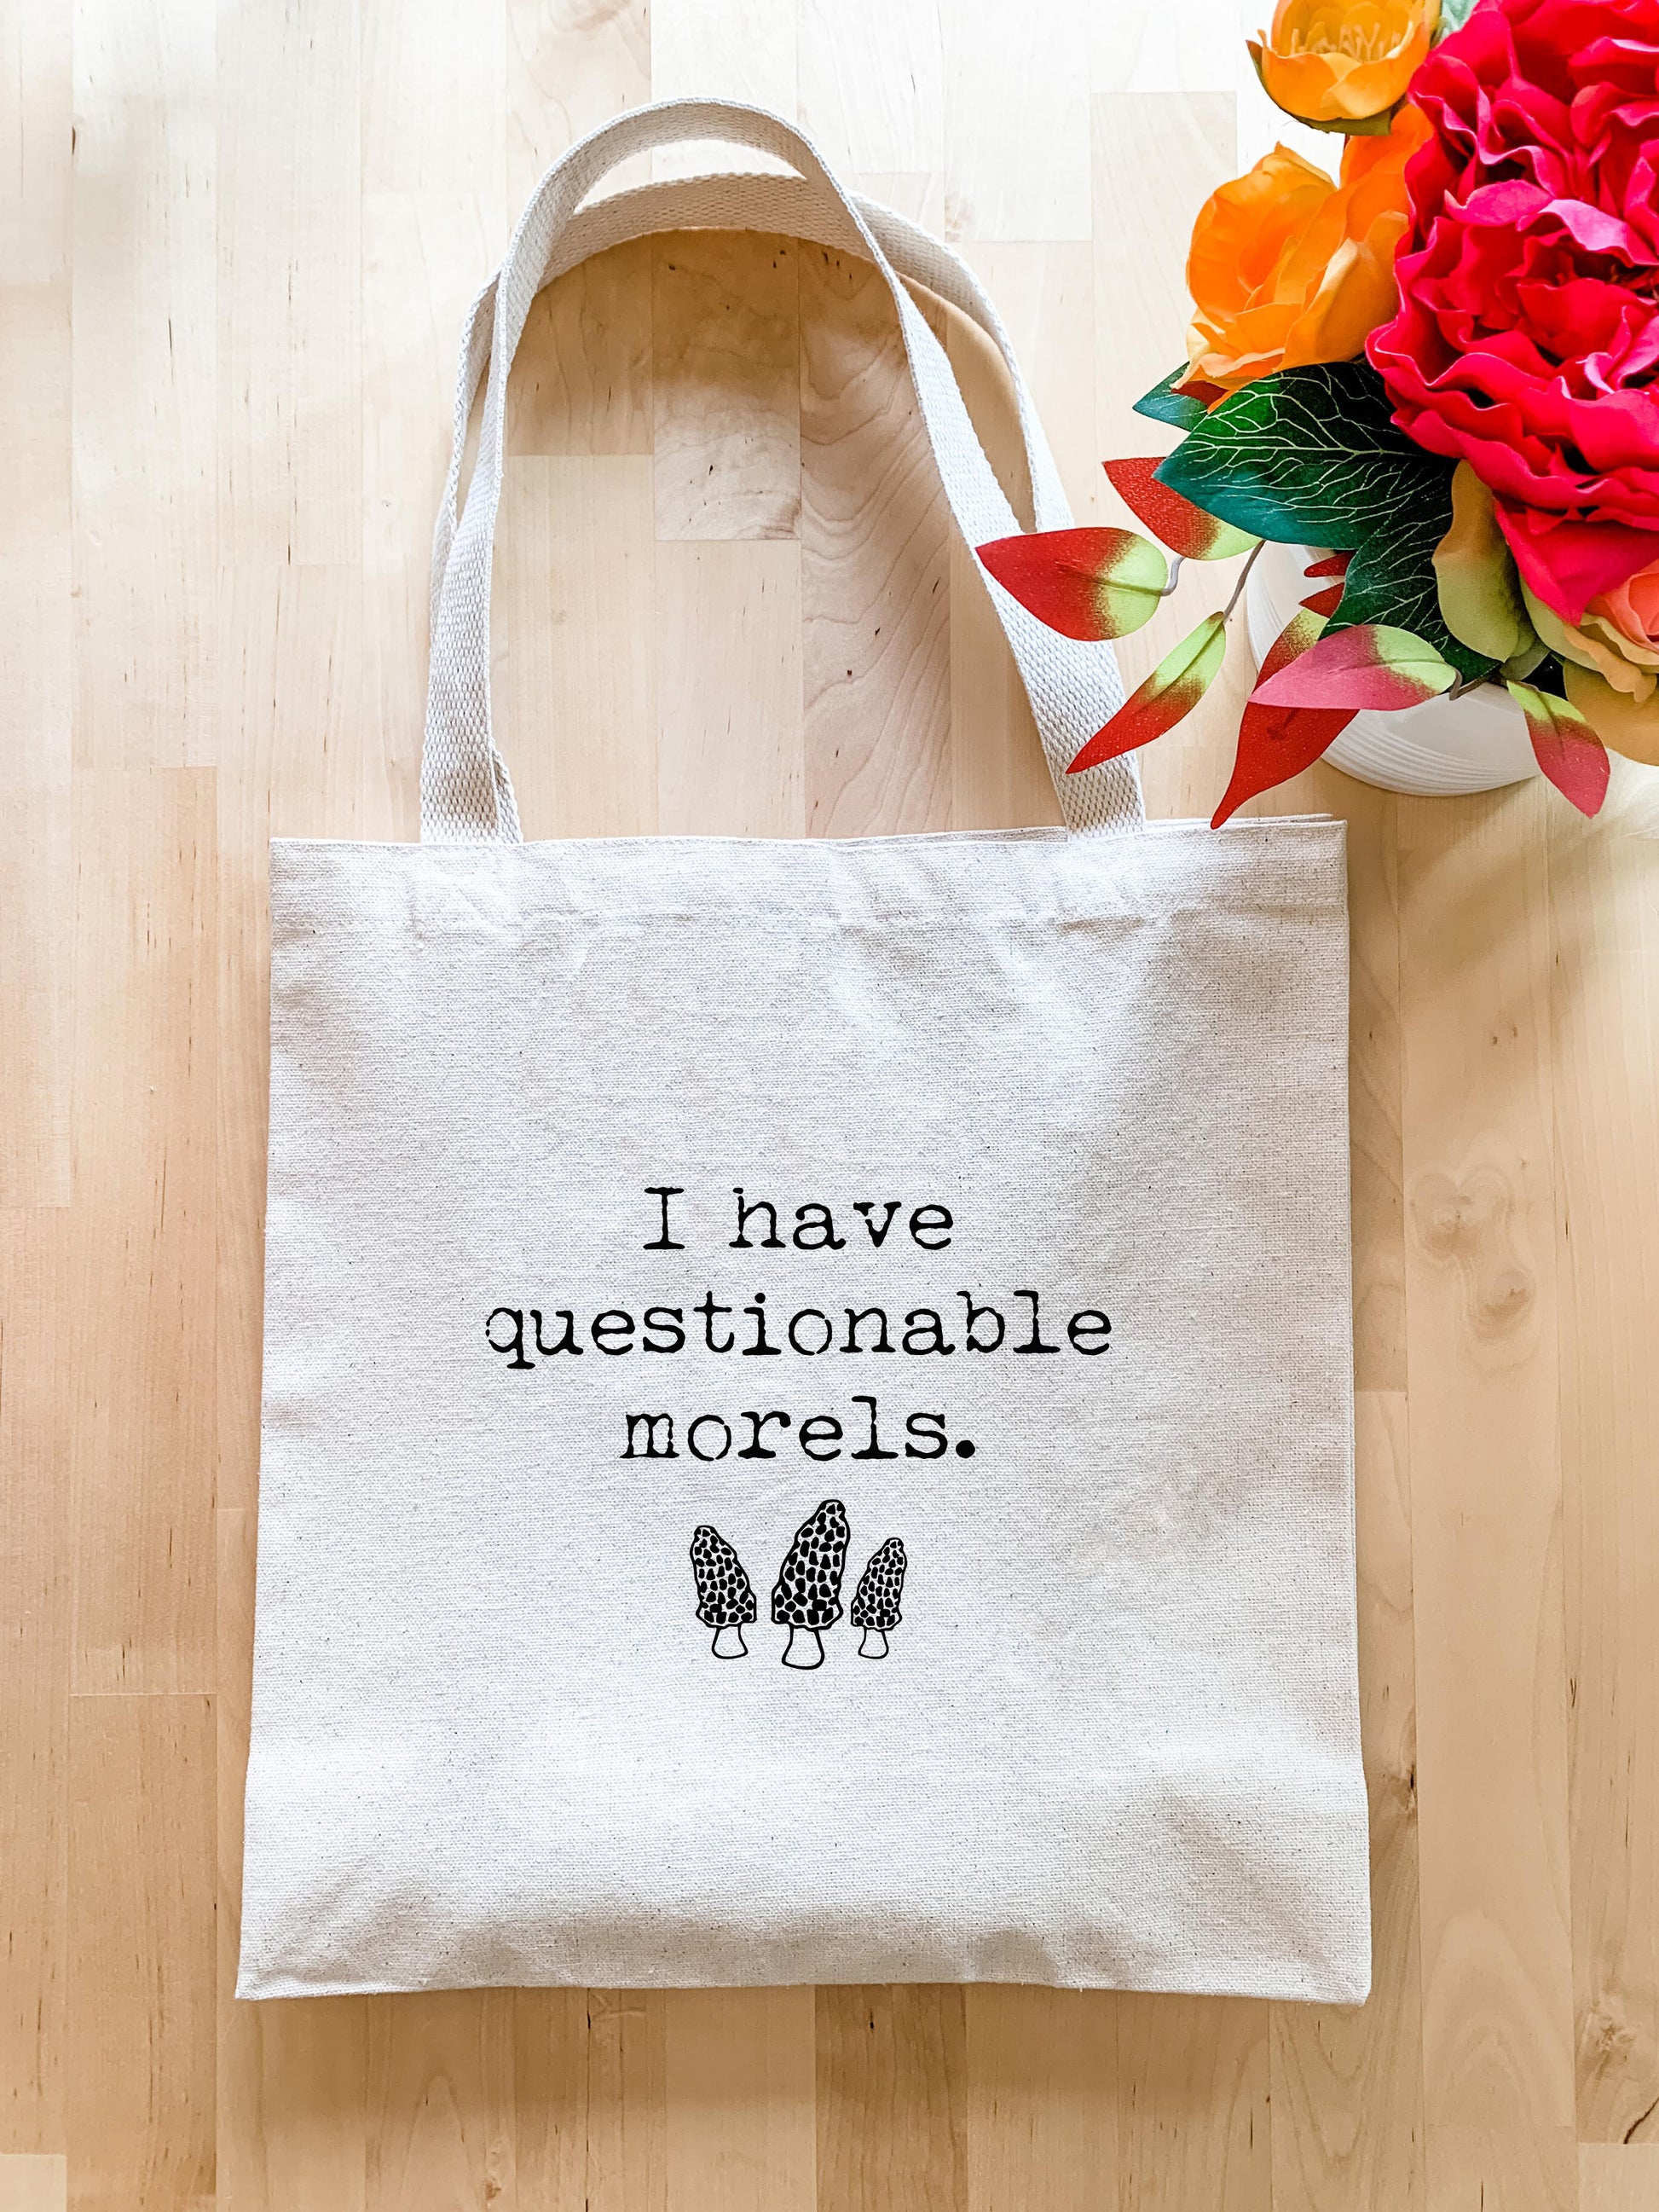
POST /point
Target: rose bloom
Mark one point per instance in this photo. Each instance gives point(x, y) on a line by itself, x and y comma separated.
point(1288, 268)
point(1334, 60)
point(1612, 661)
point(1619, 636)
point(1527, 339)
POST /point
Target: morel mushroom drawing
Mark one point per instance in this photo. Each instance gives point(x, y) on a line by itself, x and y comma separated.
point(876, 1600)
point(806, 1597)
point(725, 1600)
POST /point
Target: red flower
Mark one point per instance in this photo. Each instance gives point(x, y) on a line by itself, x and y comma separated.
point(1526, 340)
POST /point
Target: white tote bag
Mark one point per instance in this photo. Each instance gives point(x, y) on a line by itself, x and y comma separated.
point(807, 1424)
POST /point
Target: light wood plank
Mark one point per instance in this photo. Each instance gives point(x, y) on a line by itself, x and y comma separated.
point(570, 69)
point(576, 680)
point(1156, 157)
point(37, 60)
point(292, 2080)
point(1193, 2110)
point(1604, 1081)
point(37, 935)
point(139, 2068)
point(434, 99)
point(299, 758)
point(892, 2099)
point(1347, 2082)
point(872, 98)
point(745, 50)
point(1501, 2169)
point(726, 397)
point(290, 284)
point(35, 1639)
point(36, 628)
point(144, 290)
point(1374, 1071)
point(627, 2168)
point(550, 2095)
point(1042, 2109)
point(1005, 96)
point(33, 2181)
point(730, 760)
point(581, 383)
point(425, 257)
point(875, 538)
point(1143, 46)
point(1612, 2177)
point(1045, 296)
point(1482, 1332)
point(739, 2111)
point(441, 2091)
point(139, 1298)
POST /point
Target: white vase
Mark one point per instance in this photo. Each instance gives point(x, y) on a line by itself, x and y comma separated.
point(1476, 743)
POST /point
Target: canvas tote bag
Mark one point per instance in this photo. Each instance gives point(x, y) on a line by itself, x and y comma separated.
point(807, 1425)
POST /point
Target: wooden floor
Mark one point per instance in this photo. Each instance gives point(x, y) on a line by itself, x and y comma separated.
point(236, 252)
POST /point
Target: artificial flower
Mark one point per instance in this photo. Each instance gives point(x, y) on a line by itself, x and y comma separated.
point(1619, 636)
point(1527, 337)
point(1625, 725)
point(1287, 268)
point(1338, 63)
point(1617, 647)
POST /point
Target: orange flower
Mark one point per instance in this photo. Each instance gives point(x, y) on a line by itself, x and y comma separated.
point(1335, 63)
point(1287, 268)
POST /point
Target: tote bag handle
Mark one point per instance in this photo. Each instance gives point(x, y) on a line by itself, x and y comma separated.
point(466, 795)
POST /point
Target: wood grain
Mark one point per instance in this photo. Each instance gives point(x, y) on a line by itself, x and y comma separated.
point(1482, 1351)
point(235, 248)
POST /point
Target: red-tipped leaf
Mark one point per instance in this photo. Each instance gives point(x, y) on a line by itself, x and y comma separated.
point(1276, 742)
point(1171, 517)
point(1564, 746)
point(1371, 666)
point(1333, 564)
point(1090, 583)
point(1325, 602)
point(1172, 691)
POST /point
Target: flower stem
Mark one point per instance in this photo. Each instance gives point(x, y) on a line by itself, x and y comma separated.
point(1243, 578)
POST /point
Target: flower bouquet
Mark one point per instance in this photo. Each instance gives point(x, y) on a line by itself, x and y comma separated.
point(1440, 371)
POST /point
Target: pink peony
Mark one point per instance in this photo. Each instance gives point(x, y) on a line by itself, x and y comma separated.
point(1526, 339)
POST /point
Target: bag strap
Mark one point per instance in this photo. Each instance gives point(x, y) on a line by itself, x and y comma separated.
point(466, 795)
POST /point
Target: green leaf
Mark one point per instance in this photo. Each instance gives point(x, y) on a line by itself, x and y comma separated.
point(1169, 693)
point(1086, 583)
point(1184, 528)
point(1475, 578)
point(1453, 13)
point(1165, 404)
point(1520, 666)
point(1568, 750)
point(1311, 457)
point(1370, 665)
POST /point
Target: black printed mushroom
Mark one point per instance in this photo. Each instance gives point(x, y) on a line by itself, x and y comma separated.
point(726, 1601)
point(876, 1600)
point(806, 1597)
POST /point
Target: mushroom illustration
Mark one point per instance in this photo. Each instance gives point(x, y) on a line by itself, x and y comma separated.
point(726, 1601)
point(806, 1596)
point(876, 1600)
